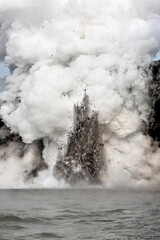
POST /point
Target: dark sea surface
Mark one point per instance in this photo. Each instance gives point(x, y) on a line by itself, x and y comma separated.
point(79, 214)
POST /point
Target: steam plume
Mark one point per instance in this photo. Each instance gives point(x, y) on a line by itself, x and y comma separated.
point(55, 50)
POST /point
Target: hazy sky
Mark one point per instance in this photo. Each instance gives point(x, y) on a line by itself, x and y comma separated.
point(4, 71)
point(157, 56)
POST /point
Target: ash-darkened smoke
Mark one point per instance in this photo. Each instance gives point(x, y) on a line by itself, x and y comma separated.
point(57, 49)
point(154, 94)
point(83, 158)
point(19, 162)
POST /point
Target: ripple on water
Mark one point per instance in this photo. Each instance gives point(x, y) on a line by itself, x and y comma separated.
point(15, 218)
point(47, 235)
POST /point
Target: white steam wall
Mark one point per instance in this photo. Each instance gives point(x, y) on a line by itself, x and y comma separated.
point(60, 48)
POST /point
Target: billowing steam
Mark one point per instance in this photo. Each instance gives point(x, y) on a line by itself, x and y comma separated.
point(57, 49)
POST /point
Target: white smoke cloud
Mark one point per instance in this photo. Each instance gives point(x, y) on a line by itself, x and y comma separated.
point(59, 48)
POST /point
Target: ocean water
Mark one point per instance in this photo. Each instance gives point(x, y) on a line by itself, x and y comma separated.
point(79, 214)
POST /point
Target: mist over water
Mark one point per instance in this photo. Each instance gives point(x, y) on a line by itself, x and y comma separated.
point(58, 49)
